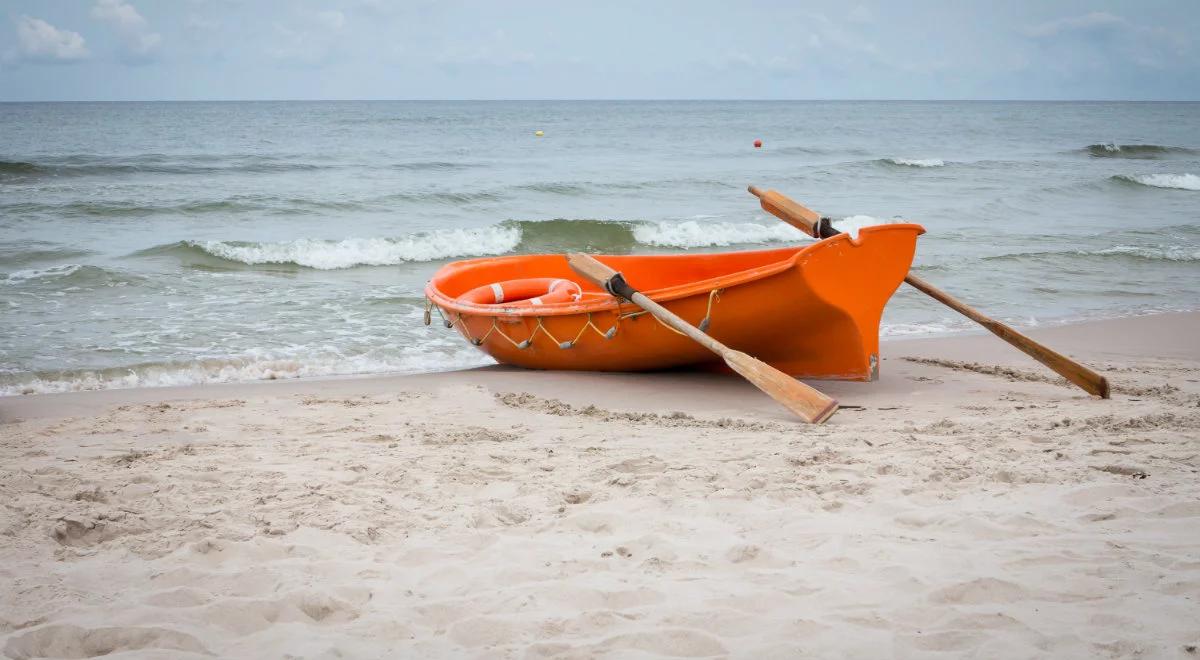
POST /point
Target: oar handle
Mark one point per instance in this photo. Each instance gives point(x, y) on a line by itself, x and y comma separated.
point(801, 217)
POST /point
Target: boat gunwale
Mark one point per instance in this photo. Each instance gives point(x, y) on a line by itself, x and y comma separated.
point(665, 294)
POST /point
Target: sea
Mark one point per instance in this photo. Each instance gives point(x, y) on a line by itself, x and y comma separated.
point(154, 244)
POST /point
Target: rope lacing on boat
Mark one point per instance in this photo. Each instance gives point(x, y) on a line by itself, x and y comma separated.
point(714, 296)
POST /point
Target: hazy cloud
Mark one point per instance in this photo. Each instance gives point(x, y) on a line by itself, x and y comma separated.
point(1099, 20)
point(310, 40)
point(333, 19)
point(139, 41)
point(1106, 37)
point(197, 23)
point(860, 14)
point(38, 40)
point(1050, 49)
point(494, 50)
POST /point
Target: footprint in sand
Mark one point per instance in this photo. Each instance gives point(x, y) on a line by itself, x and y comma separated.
point(86, 531)
point(67, 641)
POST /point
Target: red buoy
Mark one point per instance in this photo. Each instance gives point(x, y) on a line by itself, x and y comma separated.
point(758, 144)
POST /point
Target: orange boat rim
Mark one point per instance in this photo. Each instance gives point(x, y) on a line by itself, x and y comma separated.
point(811, 310)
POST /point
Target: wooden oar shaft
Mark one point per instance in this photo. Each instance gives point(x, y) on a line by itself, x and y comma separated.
point(673, 320)
point(811, 222)
point(806, 402)
point(1085, 378)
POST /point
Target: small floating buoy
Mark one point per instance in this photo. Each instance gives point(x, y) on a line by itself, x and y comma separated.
point(538, 133)
point(758, 144)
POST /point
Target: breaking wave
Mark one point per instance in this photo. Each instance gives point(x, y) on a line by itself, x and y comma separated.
point(1175, 181)
point(851, 224)
point(69, 277)
point(1158, 253)
point(514, 236)
point(1136, 151)
point(691, 233)
point(916, 162)
point(351, 252)
point(304, 363)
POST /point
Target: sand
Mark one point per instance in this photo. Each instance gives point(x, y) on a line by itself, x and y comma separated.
point(972, 505)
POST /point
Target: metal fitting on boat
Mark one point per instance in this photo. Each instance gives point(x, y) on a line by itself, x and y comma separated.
point(523, 345)
point(565, 345)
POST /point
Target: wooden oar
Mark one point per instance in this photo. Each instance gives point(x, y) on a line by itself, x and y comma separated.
point(811, 222)
point(811, 405)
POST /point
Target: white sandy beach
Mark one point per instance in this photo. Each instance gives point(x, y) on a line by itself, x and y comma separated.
point(970, 506)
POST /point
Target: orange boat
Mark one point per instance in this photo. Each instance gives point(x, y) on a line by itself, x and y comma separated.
point(811, 311)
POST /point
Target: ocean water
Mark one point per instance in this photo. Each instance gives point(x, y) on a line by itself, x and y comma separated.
point(169, 243)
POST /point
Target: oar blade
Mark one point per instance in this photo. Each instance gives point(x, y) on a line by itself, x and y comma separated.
point(813, 406)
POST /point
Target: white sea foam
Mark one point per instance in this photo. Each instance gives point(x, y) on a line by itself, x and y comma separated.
point(851, 225)
point(1177, 181)
point(1164, 252)
point(40, 273)
point(420, 357)
point(892, 330)
point(691, 233)
point(331, 255)
point(918, 162)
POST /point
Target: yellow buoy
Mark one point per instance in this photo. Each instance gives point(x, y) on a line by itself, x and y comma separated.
point(538, 133)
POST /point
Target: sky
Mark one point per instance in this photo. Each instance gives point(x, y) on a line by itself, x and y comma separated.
point(77, 50)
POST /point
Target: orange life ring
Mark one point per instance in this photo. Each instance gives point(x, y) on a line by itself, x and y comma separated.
point(531, 291)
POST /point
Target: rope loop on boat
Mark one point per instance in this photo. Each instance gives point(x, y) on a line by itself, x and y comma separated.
point(714, 296)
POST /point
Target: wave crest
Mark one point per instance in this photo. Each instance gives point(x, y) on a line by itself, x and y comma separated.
point(204, 164)
point(1136, 151)
point(68, 277)
point(690, 233)
point(304, 362)
point(1175, 181)
point(1160, 252)
point(916, 162)
point(351, 252)
point(17, 167)
point(513, 236)
point(851, 224)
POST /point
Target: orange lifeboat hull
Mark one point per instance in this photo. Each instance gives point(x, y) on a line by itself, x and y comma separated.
point(811, 311)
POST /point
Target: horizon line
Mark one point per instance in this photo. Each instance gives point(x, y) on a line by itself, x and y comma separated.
point(595, 100)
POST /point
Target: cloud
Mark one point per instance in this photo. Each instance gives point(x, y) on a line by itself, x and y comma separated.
point(860, 14)
point(1095, 21)
point(495, 50)
point(333, 19)
point(40, 41)
point(313, 42)
point(1101, 36)
point(139, 41)
point(196, 23)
